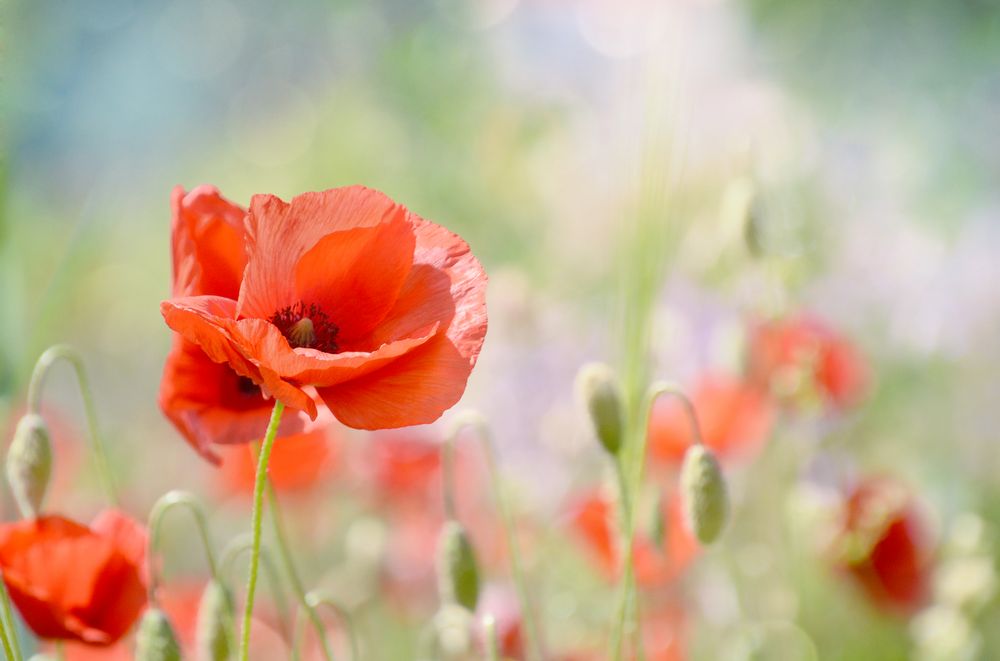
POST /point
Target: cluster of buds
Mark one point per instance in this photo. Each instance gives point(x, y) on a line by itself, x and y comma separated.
point(703, 486)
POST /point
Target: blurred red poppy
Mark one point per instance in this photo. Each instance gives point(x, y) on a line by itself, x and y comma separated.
point(735, 420)
point(884, 546)
point(207, 401)
point(593, 522)
point(297, 463)
point(73, 582)
point(803, 354)
point(345, 290)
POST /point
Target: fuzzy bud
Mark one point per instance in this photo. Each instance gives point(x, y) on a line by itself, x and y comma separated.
point(29, 463)
point(458, 573)
point(215, 623)
point(453, 631)
point(703, 488)
point(599, 390)
point(156, 640)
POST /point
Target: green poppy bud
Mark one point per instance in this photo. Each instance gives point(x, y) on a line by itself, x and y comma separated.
point(458, 573)
point(453, 631)
point(703, 489)
point(215, 623)
point(599, 390)
point(29, 464)
point(156, 640)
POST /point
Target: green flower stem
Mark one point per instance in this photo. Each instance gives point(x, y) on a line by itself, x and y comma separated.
point(167, 502)
point(8, 630)
point(258, 511)
point(632, 484)
point(317, 598)
point(535, 650)
point(239, 545)
point(293, 577)
point(72, 356)
point(490, 634)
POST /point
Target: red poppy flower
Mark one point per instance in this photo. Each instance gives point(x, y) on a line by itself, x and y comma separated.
point(735, 420)
point(593, 521)
point(207, 401)
point(71, 582)
point(802, 354)
point(883, 545)
point(297, 463)
point(345, 290)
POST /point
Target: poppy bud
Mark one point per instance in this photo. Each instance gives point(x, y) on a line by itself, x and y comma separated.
point(156, 640)
point(215, 623)
point(29, 463)
point(453, 631)
point(597, 386)
point(706, 504)
point(458, 573)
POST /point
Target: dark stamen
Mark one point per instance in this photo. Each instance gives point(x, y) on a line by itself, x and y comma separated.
point(306, 326)
point(247, 387)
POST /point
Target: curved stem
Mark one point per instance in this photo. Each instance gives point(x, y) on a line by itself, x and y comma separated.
point(167, 502)
point(317, 598)
point(257, 516)
point(634, 483)
point(72, 356)
point(8, 630)
point(236, 547)
point(475, 420)
point(293, 576)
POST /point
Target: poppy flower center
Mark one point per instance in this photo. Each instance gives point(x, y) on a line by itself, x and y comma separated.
point(247, 387)
point(306, 326)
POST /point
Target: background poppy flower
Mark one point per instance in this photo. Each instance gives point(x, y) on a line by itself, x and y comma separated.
point(71, 582)
point(803, 352)
point(297, 463)
point(883, 545)
point(592, 519)
point(207, 401)
point(345, 290)
point(735, 420)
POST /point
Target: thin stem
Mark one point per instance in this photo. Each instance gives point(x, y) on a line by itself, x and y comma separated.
point(8, 630)
point(634, 484)
point(490, 634)
point(72, 356)
point(236, 547)
point(258, 512)
point(448, 476)
point(167, 502)
point(317, 598)
point(470, 418)
point(298, 589)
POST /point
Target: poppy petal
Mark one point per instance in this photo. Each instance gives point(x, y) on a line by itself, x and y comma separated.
point(280, 233)
point(447, 284)
point(207, 236)
point(317, 367)
point(210, 404)
point(208, 322)
point(414, 389)
point(355, 276)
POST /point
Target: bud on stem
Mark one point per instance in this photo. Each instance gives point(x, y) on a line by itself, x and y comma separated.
point(703, 488)
point(599, 390)
point(458, 573)
point(214, 635)
point(155, 640)
point(29, 464)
